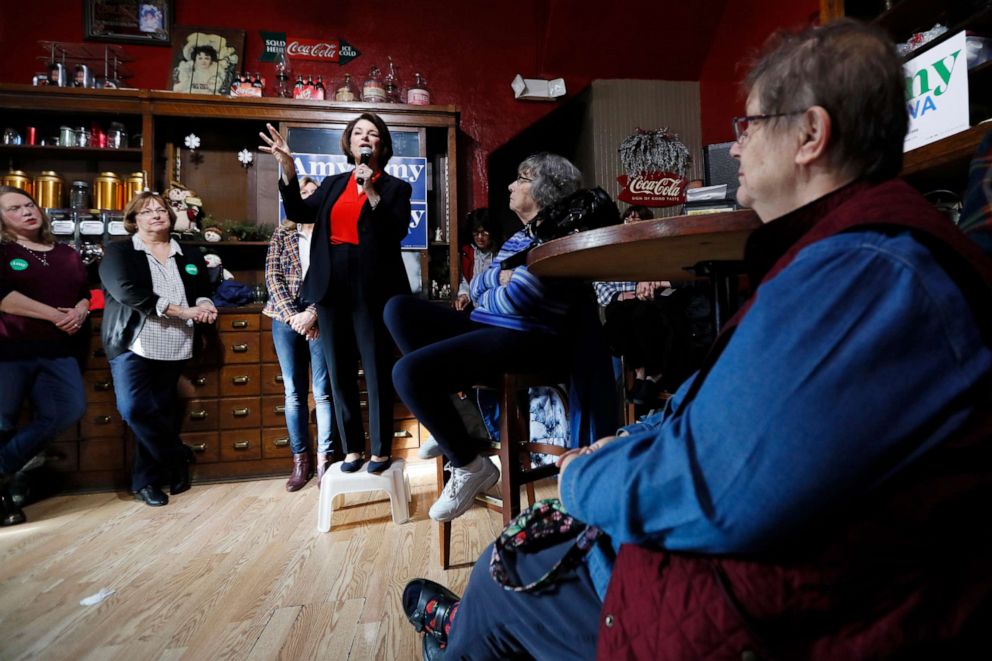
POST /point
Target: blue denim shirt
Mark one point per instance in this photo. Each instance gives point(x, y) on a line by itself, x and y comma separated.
point(819, 396)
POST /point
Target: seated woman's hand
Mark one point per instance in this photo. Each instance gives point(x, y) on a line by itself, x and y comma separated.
point(505, 276)
point(567, 458)
point(462, 301)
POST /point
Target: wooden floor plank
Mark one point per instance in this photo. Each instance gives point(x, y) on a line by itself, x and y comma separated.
point(225, 571)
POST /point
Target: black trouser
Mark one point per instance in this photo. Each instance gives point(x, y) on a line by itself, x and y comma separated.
point(446, 352)
point(351, 326)
point(653, 335)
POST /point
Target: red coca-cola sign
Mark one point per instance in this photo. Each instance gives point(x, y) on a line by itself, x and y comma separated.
point(653, 189)
point(321, 50)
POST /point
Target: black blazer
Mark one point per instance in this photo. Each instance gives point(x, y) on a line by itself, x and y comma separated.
point(129, 300)
point(380, 232)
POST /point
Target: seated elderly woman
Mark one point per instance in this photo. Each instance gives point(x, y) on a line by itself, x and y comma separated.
point(516, 324)
point(819, 488)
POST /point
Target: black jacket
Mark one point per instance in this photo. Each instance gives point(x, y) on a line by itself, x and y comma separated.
point(127, 281)
point(380, 232)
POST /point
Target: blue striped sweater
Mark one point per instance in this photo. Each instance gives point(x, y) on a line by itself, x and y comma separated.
point(525, 303)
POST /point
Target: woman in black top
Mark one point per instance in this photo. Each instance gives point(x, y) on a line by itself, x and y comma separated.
point(355, 267)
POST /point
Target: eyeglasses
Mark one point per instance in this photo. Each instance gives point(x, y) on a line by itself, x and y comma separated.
point(481, 231)
point(741, 124)
point(30, 206)
point(148, 213)
point(521, 179)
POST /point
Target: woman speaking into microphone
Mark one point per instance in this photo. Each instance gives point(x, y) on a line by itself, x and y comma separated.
point(360, 218)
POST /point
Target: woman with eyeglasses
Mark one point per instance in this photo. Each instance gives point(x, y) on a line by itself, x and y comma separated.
point(518, 322)
point(44, 302)
point(157, 290)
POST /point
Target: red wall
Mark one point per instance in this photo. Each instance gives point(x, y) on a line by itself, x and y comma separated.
point(469, 51)
point(743, 28)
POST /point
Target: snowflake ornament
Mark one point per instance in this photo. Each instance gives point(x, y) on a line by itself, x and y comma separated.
point(246, 158)
point(192, 141)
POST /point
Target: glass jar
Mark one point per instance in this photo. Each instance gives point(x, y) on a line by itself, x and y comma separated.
point(373, 90)
point(79, 195)
point(346, 90)
point(418, 94)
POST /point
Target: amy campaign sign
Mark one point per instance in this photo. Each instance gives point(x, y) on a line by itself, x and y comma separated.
point(937, 92)
point(412, 169)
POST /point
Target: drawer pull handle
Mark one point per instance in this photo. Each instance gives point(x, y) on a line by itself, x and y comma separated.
point(103, 386)
point(279, 408)
point(278, 378)
point(200, 381)
point(402, 434)
point(242, 445)
point(280, 442)
point(240, 380)
point(239, 323)
point(199, 447)
point(199, 414)
point(240, 348)
point(241, 413)
point(102, 419)
point(363, 404)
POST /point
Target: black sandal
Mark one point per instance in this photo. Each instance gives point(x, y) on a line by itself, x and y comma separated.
point(417, 594)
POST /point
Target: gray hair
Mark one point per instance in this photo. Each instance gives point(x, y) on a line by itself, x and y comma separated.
point(553, 177)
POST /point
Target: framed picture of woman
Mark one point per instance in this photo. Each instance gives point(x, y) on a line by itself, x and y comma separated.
point(205, 60)
point(128, 21)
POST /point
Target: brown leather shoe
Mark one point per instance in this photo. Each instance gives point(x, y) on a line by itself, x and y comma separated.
point(302, 471)
point(323, 461)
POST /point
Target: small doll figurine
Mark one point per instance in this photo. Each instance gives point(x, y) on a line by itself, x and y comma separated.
point(188, 208)
point(213, 234)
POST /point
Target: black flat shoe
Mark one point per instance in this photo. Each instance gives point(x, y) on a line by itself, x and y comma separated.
point(10, 512)
point(182, 481)
point(153, 496)
point(416, 595)
point(352, 466)
point(379, 466)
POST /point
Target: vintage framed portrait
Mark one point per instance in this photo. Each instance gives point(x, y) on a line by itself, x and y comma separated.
point(128, 21)
point(205, 60)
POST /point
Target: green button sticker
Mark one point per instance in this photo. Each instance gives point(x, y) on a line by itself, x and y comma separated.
point(191, 269)
point(18, 264)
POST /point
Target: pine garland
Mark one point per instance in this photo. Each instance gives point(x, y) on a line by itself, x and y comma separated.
point(654, 151)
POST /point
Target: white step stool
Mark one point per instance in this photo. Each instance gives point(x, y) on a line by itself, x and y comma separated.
point(393, 481)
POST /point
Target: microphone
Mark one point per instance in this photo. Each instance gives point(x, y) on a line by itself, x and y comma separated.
point(366, 156)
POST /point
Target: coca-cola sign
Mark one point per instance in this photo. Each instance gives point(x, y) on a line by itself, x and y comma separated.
point(320, 50)
point(653, 189)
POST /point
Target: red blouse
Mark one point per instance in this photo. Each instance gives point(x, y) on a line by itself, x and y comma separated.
point(345, 212)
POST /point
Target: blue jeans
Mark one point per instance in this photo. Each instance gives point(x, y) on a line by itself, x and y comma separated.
point(58, 398)
point(148, 402)
point(297, 359)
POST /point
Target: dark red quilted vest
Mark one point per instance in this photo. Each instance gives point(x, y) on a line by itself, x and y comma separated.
point(907, 574)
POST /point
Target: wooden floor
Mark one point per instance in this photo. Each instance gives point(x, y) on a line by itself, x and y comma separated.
point(225, 571)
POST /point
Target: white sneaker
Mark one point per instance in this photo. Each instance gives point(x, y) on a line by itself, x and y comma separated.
point(429, 449)
point(462, 488)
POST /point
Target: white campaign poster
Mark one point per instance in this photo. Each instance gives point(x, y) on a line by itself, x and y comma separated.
point(937, 93)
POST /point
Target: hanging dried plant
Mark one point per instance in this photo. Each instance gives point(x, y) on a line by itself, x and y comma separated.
point(654, 151)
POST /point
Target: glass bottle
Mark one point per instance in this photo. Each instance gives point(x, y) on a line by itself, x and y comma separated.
point(392, 84)
point(418, 94)
point(372, 90)
point(283, 75)
point(319, 92)
point(346, 91)
point(256, 81)
point(298, 87)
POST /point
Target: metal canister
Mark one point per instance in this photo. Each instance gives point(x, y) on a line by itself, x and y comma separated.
point(83, 137)
point(48, 190)
point(67, 136)
point(56, 74)
point(134, 184)
point(18, 179)
point(82, 77)
point(108, 192)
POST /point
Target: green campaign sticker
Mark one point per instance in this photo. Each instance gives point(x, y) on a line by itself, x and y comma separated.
point(18, 264)
point(191, 269)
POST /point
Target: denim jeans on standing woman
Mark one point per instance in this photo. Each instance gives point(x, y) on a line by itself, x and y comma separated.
point(55, 388)
point(298, 357)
